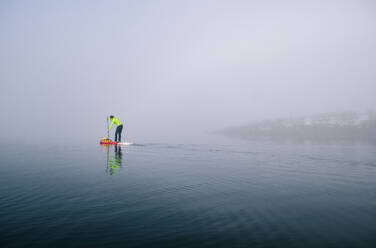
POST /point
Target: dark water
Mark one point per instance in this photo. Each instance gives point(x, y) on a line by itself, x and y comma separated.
point(167, 195)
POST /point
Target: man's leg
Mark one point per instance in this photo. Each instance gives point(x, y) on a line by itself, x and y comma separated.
point(120, 130)
point(116, 134)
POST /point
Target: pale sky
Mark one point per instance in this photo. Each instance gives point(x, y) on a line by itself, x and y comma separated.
point(177, 69)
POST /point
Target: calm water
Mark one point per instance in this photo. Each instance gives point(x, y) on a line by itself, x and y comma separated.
point(246, 195)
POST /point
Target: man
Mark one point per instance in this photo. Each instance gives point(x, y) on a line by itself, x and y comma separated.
point(119, 127)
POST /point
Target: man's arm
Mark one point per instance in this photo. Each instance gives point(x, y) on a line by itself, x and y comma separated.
point(112, 123)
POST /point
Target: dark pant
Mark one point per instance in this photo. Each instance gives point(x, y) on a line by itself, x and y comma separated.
point(118, 133)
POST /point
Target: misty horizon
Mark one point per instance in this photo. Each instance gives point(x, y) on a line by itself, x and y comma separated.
point(176, 70)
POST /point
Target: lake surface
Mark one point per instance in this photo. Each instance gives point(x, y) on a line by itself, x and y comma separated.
point(255, 194)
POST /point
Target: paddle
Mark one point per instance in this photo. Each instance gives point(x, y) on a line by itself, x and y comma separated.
point(108, 131)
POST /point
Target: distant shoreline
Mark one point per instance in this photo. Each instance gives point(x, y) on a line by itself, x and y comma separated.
point(326, 126)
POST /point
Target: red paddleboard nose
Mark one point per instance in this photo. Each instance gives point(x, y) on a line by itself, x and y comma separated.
point(107, 141)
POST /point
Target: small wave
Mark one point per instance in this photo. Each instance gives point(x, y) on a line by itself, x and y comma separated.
point(333, 160)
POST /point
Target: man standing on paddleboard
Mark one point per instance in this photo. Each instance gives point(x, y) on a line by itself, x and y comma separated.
point(119, 127)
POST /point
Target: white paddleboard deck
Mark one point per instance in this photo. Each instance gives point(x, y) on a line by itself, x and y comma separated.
point(125, 143)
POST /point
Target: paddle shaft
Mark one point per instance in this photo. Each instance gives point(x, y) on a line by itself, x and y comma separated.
point(108, 131)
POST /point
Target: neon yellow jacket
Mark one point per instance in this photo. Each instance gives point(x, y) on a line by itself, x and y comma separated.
point(115, 121)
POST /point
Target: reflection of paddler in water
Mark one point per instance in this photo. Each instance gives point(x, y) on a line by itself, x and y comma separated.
point(114, 163)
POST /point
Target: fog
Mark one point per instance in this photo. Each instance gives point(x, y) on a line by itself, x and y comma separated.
point(175, 70)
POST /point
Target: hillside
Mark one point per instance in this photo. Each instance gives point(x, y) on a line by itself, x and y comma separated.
point(325, 126)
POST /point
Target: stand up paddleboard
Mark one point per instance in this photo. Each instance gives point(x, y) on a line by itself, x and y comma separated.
point(107, 141)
